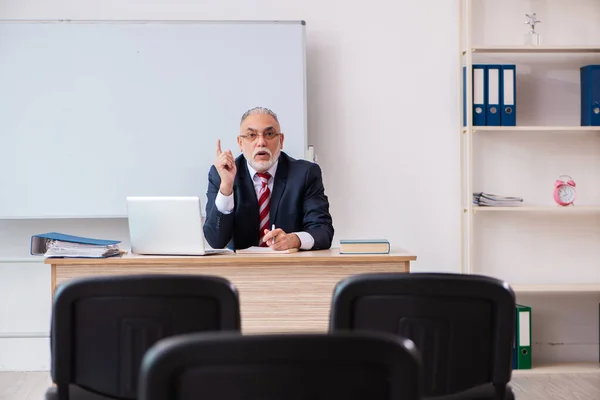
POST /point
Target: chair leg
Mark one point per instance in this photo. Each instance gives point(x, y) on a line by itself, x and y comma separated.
point(503, 392)
point(509, 394)
point(63, 392)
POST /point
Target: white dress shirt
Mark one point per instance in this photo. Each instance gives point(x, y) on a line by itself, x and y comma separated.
point(225, 204)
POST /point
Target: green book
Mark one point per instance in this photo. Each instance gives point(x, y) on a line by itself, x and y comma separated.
point(523, 337)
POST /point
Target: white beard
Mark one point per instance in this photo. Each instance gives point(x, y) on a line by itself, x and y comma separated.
point(263, 166)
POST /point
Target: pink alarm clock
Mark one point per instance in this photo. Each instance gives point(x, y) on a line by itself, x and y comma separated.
point(564, 191)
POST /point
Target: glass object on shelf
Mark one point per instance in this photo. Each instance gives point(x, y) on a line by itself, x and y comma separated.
point(532, 38)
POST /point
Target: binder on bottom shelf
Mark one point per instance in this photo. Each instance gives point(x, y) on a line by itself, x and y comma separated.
point(522, 340)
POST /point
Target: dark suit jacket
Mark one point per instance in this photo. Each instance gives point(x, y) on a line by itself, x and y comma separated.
point(298, 203)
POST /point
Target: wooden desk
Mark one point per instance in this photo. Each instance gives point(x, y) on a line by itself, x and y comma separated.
point(278, 292)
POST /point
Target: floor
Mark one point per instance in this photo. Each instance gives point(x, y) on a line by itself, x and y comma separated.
point(32, 385)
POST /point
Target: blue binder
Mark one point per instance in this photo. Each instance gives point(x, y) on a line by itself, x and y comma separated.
point(509, 95)
point(479, 95)
point(493, 80)
point(38, 242)
point(590, 95)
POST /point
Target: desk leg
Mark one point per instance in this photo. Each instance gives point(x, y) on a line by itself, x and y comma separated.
point(53, 281)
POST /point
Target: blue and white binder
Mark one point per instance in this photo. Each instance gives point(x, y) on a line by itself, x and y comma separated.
point(479, 95)
point(509, 95)
point(494, 91)
point(590, 95)
point(80, 246)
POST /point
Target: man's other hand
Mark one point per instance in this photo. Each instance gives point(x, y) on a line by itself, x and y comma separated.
point(277, 239)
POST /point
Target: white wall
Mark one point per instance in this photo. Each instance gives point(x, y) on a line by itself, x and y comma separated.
point(384, 119)
point(383, 115)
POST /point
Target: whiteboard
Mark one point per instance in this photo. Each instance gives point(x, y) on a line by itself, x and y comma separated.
point(94, 111)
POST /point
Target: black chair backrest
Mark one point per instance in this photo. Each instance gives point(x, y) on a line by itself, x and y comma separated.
point(102, 326)
point(281, 366)
point(461, 324)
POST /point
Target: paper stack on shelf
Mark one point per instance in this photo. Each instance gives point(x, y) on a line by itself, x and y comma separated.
point(54, 244)
point(494, 200)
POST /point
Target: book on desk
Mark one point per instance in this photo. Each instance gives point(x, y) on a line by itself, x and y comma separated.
point(365, 246)
point(55, 244)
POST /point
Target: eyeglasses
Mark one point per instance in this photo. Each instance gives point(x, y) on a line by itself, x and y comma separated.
point(251, 137)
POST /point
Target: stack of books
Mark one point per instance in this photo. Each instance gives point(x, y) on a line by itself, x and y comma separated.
point(494, 200)
point(54, 244)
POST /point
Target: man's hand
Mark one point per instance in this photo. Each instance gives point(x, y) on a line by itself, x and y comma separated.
point(279, 240)
point(225, 165)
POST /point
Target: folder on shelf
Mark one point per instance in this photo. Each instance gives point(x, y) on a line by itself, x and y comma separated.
point(509, 95)
point(590, 95)
point(523, 337)
point(54, 244)
point(494, 90)
point(479, 94)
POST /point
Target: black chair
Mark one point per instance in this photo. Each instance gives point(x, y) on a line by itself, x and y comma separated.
point(102, 326)
point(371, 366)
point(461, 324)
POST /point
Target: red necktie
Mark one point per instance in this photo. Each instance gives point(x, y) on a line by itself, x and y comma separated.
point(264, 200)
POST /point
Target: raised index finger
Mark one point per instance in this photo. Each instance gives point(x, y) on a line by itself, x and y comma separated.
point(219, 147)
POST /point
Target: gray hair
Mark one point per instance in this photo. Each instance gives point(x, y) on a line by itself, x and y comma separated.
point(259, 110)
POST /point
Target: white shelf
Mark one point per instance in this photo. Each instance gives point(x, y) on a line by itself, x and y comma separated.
point(550, 209)
point(559, 325)
point(534, 49)
point(557, 288)
point(22, 217)
point(560, 368)
point(20, 260)
point(535, 128)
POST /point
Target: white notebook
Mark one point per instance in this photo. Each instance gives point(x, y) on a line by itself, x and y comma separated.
point(264, 250)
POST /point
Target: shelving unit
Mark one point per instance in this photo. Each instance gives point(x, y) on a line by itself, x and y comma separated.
point(531, 49)
point(550, 209)
point(563, 368)
point(468, 52)
point(472, 215)
point(534, 129)
point(558, 288)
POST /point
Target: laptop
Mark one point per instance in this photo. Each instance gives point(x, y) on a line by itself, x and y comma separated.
point(167, 226)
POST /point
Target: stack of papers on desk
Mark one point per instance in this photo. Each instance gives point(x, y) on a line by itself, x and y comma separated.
point(56, 244)
point(58, 248)
point(494, 200)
